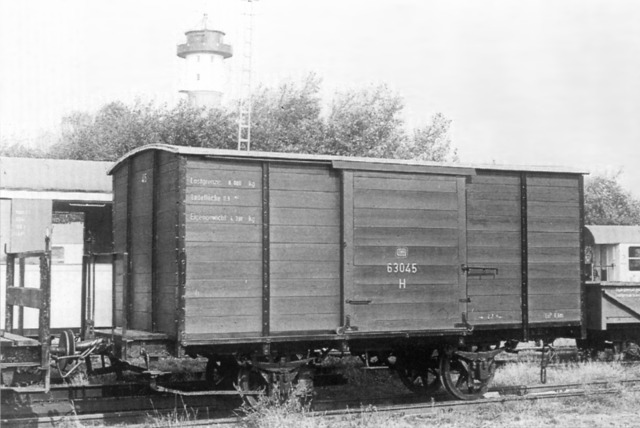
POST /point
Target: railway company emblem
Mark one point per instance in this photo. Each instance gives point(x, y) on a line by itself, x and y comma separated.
point(402, 252)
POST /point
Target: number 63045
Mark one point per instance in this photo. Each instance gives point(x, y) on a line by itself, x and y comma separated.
point(402, 267)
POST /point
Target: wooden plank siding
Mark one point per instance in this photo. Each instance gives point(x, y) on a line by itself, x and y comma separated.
point(141, 241)
point(120, 180)
point(554, 243)
point(381, 249)
point(305, 249)
point(493, 231)
point(406, 259)
point(166, 256)
point(223, 248)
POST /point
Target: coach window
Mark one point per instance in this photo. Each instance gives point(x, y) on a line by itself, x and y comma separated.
point(634, 258)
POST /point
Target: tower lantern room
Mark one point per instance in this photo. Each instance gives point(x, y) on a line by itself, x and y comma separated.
point(204, 74)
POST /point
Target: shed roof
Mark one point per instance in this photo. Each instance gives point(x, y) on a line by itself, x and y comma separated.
point(199, 151)
point(615, 234)
point(60, 175)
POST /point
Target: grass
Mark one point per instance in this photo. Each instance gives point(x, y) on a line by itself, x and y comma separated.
point(619, 410)
point(175, 419)
point(291, 414)
point(528, 373)
point(593, 411)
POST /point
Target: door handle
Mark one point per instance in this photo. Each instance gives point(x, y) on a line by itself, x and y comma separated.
point(358, 302)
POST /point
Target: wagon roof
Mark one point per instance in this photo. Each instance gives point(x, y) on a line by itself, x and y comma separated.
point(338, 161)
point(615, 234)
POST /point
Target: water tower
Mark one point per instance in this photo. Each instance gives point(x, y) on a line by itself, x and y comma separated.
point(204, 55)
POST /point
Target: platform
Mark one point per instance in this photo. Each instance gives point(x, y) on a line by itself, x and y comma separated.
point(21, 360)
point(610, 303)
point(131, 344)
point(12, 340)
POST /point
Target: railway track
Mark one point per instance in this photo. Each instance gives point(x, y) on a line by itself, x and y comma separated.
point(206, 411)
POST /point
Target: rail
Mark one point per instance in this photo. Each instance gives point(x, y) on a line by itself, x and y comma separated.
point(225, 412)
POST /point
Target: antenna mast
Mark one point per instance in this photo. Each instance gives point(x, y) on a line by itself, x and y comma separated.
point(244, 116)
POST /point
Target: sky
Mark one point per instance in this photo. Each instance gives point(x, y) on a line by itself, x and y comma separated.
point(525, 82)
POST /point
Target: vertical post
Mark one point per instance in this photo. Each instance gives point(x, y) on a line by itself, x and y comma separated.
point(347, 240)
point(181, 255)
point(45, 314)
point(155, 294)
point(21, 275)
point(114, 272)
point(83, 297)
point(92, 288)
point(11, 268)
point(583, 302)
point(461, 189)
point(127, 286)
point(266, 257)
point(524, 251)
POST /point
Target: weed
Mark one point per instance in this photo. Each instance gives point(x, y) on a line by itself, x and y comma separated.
point(528, 373)
point(176, 418)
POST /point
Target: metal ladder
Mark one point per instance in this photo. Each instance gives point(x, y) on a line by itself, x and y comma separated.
point(244, 119)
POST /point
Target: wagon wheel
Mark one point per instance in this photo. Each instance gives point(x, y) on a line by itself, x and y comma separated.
point(221, 372)
point(421, 377)
point(251, 381)
point(67, 348)
point(462, 380)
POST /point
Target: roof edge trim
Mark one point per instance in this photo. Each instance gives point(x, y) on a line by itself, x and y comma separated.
point(420, 169)
point(389, 164)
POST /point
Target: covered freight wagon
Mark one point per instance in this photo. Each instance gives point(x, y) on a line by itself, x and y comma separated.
point(263, 253)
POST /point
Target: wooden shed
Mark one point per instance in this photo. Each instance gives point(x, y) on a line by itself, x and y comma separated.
point(70, 200)
point(230, 247)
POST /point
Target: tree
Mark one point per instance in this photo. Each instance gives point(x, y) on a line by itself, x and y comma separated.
point(118, 128)
point(30, 147)
point(365, 122)
point(185, 125)
point(430, 142)
point(20, 150)
point(287, 118)
point(108, 134)
point(607, 203)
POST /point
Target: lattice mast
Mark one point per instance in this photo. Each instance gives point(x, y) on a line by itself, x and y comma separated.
point(244, 113)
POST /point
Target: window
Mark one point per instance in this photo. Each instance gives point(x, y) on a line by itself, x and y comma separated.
point(634, 258)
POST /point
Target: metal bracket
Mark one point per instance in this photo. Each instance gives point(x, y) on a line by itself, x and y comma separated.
point(465, 323)
point(548, 353)
point(347, 327)
point(479, 271)
point(358, 302)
